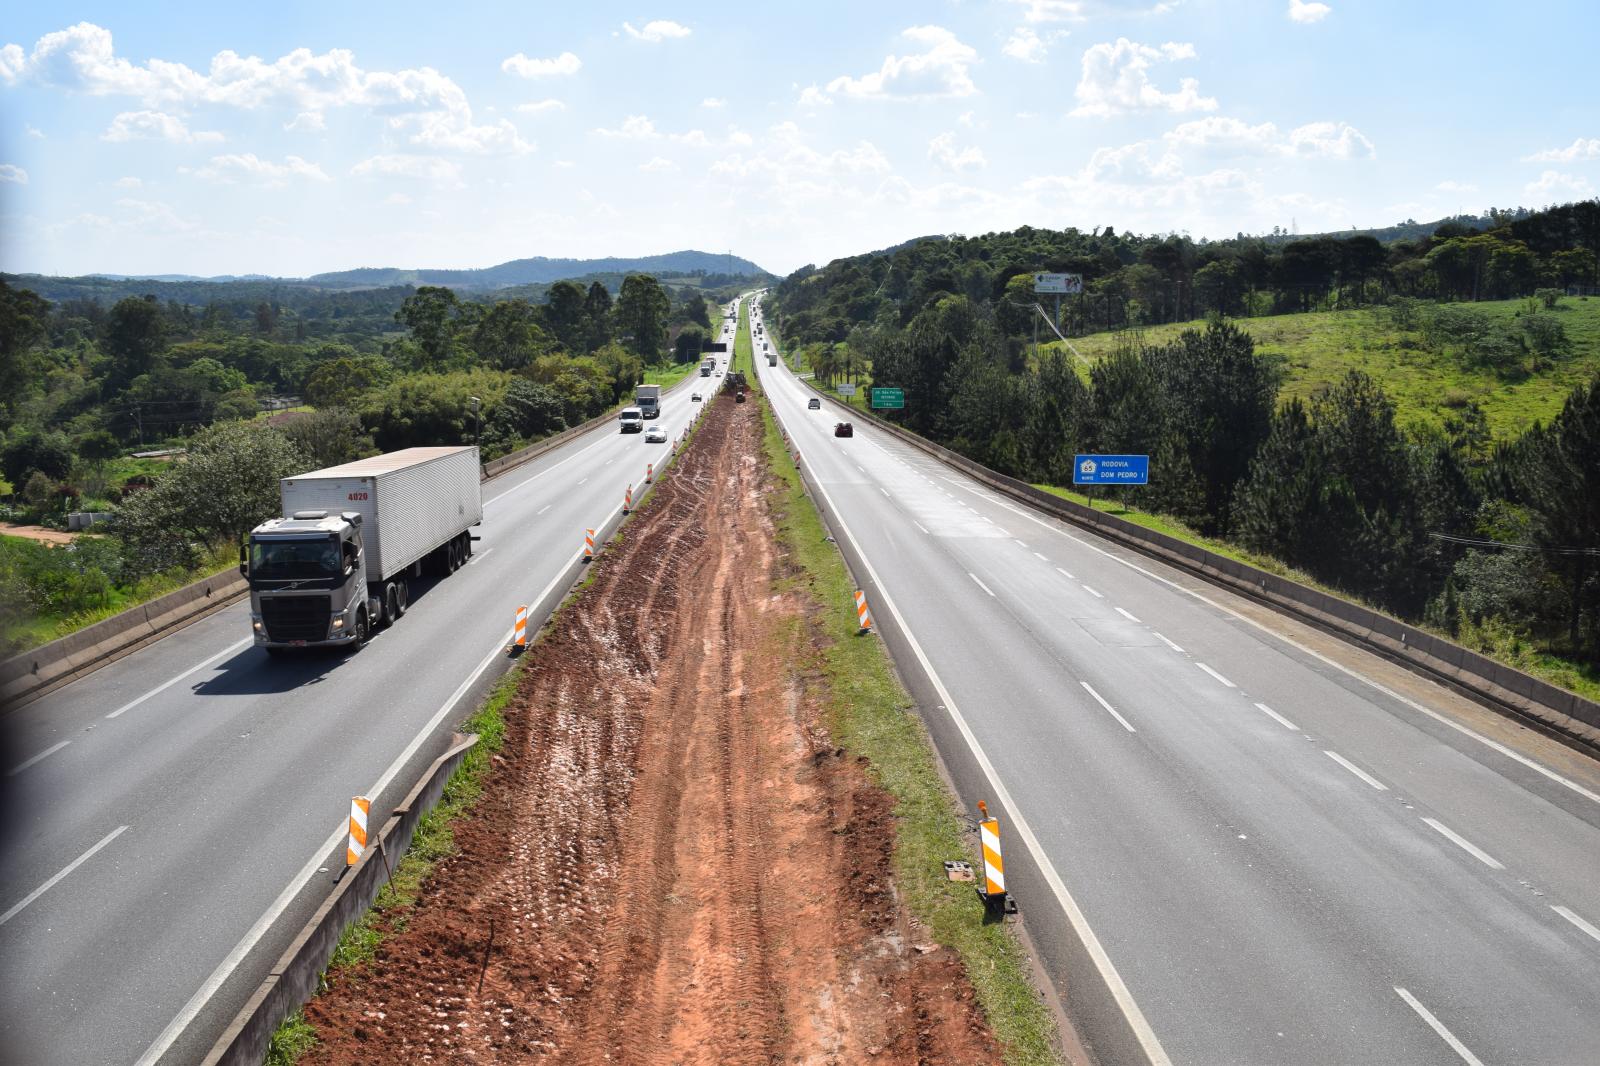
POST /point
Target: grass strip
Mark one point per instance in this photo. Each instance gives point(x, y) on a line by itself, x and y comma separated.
point(433, 841)
point(871, 715)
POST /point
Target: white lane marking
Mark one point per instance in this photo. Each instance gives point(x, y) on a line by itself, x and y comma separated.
point(1018, 543)
point(1092, 592)
point(1149, 1043)
point(1437, 1026)
point(920, 526)
point(884, 491)
point(1465, 845)
point(1040, 557)
point(1216, 675)
point(1358, 771)
point(1577, 921)
point(1126, 615)
point(543, 509)
point(1063, 573)
point(585, 481)
point(1109, 709)
point(45, 754)
point(479, 555)
point(71, 866)
point(1168, 643)
point(608, 462)
point(1276, 717)
point(981, 585)
point(247, 943)
point(1348, 671)
point(229, 650)
point(861, 468)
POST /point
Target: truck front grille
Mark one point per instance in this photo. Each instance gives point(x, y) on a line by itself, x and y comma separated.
point(295, 617)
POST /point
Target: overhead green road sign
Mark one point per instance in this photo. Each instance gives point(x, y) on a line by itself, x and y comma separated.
point(888, 399)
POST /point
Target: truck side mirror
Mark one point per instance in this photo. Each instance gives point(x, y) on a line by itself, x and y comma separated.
point(244, 560)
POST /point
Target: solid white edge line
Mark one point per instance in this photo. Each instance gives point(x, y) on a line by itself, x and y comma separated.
point(247, 943)
point(1168, 643)
point(71, 866)
point(1376, 686)
point(1576, 920)
point(1216, 675)
point(229, 650)
point(981, 585)
point(1465, 845)
point(45, 754)
point(1358, 771)
point(1276, 717)
point(1142, 1031)
point(1126, 615)
point(1109, 709)
point(1437, 1026)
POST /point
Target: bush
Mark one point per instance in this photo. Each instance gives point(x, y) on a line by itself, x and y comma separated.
point(48, 453)
point(420, 410)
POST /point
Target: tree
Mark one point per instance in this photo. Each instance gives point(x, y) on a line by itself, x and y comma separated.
point(426, 410)
point(28, 451)
point(95, 449)
point(341, 381)
point(23, 316)
point(227, 485)
point(687, 347)
point(434, 316)
point(329, 437)
point(564, 314)
point(134, 337)
point(596, 317)
point(641, 315)
point(508, 336)
point(528, 411)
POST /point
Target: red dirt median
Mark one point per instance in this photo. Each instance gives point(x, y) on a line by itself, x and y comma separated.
point(670, 863)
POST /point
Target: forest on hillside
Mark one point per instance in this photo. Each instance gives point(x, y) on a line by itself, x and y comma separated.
point(85, 384)
point(1496, 541)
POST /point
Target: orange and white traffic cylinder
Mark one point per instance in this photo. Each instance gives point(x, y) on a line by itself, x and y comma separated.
point(994, 870)
point(519, 631)
point(588, 545)
point(649, 473)
point(627, 499)
point(357, 847)
point(863, 616)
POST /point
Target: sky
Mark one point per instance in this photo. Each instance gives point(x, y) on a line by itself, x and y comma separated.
point(293, 138)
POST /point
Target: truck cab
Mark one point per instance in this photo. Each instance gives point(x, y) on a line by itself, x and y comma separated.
point(308, 581)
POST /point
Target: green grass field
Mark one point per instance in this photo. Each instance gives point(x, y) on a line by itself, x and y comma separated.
point(1320, 346)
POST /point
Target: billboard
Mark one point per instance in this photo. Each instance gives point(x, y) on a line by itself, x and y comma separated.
point(1058, 284)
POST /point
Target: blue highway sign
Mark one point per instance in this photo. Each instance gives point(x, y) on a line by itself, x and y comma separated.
point(1111, 470)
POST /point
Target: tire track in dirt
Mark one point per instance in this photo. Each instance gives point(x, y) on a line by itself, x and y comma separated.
point(676, 864)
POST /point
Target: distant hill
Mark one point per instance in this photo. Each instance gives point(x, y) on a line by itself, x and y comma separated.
point(541, 270)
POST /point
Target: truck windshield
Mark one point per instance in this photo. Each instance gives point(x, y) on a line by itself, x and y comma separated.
point(294, 560)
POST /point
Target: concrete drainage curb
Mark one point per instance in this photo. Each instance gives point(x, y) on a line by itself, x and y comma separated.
point(294, 978)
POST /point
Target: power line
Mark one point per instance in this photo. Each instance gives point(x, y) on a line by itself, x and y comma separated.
point(1476, 542)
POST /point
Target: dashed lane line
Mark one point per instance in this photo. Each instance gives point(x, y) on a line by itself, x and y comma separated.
point(981, 585)
point(16, 908)
point(1101, 700)
point(1276, 717)
point(1438, 1027)
point(1358, 771)
point(45, 754)
point(1577, 921)
point(1126, 615)
point(1216, 675)
point(1465, 845)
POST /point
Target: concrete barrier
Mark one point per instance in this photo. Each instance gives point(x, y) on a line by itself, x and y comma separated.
point(294, 978)
point(1554, 709)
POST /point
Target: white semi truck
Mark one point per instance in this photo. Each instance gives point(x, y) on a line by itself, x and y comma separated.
point(339, 563)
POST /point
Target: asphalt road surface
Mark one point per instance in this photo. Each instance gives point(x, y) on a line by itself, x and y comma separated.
point(1287, 855)
point(175, 817)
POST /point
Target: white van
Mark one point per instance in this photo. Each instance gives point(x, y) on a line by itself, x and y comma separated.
point(631, 420)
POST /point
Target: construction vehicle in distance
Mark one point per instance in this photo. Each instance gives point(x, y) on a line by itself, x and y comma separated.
point(339, 563)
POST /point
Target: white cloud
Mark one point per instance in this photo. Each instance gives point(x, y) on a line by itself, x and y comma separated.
point(1051, 10)
point(1553, 184)
point(10, 174)
point(713, 102)
point(656, 31)
point(156, 126)
point(1308, 11)
point(306, 122)
point(1582, 148)
point(524, 67)
point(811, 96)
point(435, 130)
point(940, 71)
point(1045, 11)
point(1116, 78)
point(1226, 134)
point(248, 168)
point(128, 183)
point(1026, 45)
point(1455, 186)
point(944, 153)
point(634, 127)
point(397, 199)
point(537, 107)
point(658, 165)
point(426, 168)
point(1337, 140)
point(36, 134)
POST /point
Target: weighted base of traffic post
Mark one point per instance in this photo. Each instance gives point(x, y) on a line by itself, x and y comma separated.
point(998, 904)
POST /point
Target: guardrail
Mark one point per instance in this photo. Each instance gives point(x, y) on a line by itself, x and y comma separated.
point(1567, 714)
point(294, 977)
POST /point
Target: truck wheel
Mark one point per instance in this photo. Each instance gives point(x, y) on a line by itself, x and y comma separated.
point(402, 597)
point(452, 554)
point(362, 631)
point(391, 606)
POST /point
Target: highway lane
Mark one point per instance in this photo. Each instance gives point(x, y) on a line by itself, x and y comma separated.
point(212, 782)
point(1283, 862)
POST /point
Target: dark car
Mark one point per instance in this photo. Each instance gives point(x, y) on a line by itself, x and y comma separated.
point(843, 429)
point(813, 404)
